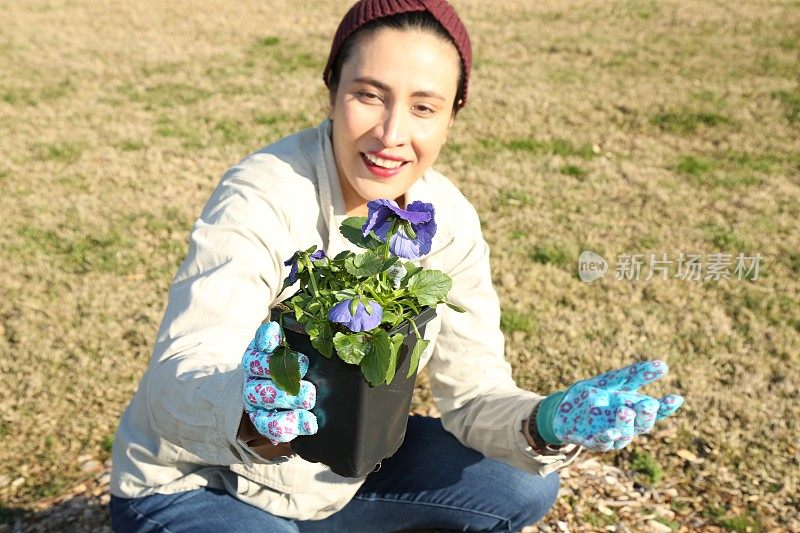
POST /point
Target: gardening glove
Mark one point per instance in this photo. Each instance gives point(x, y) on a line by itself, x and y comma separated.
point(275, 414)
point(606, 411)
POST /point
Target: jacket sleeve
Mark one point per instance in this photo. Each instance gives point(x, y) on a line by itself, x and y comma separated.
point(470, 378)
point(220, 295)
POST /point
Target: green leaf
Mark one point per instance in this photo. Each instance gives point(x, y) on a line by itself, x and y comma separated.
point(375, 363)
point(456, 308)
point(364, 265)
point(392, 259)
point(323, 346)
point(367, 307)
point(411, 269)
point(311, 328)
point(298, 311)
point(323, 342)
point(351, 347)
point(430, 286)
point(351, 229)
point(416, 353)
point(396, 342)
point(389, 317)
point(347, 294)
point(285, 370)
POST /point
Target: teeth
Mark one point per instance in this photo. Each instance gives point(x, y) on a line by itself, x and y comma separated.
point(381, 162)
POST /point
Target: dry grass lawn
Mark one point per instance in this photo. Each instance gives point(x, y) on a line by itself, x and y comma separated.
point(623, 127)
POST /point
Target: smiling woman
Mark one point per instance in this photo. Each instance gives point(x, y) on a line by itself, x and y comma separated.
point(205, 444)
point(391, 112)
point(396, 84)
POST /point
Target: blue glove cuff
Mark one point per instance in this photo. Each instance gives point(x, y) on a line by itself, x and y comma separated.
point(546, 416)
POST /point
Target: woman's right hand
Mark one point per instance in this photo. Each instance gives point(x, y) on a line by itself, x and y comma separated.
point(275, 414)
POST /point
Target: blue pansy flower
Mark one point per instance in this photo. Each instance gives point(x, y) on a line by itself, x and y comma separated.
point(361, 320)
point(293, 273)
point(418, 215)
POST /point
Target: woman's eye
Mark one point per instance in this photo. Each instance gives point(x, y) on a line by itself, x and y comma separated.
point(423, 109)
point(368, 96)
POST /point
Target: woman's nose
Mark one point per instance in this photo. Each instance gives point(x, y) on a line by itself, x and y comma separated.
point(393, 130)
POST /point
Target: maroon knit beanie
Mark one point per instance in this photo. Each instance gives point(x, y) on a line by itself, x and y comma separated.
point(365, 11)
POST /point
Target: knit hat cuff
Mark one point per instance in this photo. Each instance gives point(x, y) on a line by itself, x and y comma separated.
point(365, 11)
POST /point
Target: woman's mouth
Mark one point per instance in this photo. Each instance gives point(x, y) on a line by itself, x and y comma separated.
point(380, 166)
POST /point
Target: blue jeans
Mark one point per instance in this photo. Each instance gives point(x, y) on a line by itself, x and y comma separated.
point(433, 481)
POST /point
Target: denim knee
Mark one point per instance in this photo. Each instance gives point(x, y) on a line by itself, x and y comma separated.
point(534, 496)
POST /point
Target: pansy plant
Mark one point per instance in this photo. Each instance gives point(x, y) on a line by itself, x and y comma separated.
point(348, 304)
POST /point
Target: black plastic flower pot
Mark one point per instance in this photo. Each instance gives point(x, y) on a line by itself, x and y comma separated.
point(359, 424)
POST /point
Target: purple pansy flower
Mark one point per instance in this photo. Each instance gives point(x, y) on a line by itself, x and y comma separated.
point(361, 320)
point(292, 277)
point(419, 215)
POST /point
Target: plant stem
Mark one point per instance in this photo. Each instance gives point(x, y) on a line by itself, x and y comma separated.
point(414, 304)
point(375, 296)
point(311, 277)
point(389, 235)
point(414, 326)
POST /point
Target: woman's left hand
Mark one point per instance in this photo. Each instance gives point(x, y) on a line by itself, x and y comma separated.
point(606, 411)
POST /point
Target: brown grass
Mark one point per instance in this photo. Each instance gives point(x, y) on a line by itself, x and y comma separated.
point(620, 127)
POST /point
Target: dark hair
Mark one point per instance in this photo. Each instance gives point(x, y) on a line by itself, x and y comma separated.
point(413, 20)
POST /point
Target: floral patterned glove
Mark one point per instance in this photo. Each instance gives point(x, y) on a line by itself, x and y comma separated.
point(606, 411)
point(275, 414)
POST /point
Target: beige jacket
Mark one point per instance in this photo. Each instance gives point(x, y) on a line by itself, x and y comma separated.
point(180, 430)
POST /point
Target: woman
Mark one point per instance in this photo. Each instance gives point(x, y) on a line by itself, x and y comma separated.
point(192, 455)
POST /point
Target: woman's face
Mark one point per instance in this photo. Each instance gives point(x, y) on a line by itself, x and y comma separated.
point(391, 113)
